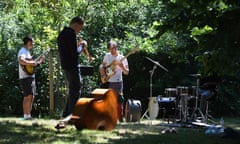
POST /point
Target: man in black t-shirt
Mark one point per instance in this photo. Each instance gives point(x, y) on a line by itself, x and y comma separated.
point(68, 52)
point(207, 89)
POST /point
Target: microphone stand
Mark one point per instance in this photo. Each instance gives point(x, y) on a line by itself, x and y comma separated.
point(151, 101)
point(153, 106)
point(151, 75)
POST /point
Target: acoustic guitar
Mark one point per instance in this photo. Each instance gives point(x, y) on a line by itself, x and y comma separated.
point(110, 69)
point(30, 70)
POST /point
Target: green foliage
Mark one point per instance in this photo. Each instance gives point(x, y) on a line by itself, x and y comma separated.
point(9, 87)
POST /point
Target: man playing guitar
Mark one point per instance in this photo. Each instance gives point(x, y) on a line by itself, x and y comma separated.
point(118, 65)
point(27, 81)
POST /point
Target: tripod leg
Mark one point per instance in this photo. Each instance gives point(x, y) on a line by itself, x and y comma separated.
point(145, 114)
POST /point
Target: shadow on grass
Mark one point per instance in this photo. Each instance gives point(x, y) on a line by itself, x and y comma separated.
point(152, 134)
point(42, 131)
point(12, 132)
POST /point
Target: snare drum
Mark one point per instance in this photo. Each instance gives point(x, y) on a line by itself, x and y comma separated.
point(166, 99)
point(167, 106)
point(170, 92)
point(182, 90)
point(193, 91)
point(133, 110)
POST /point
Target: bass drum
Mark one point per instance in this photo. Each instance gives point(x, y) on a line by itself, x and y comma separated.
point(153, 107)
point(133, 110)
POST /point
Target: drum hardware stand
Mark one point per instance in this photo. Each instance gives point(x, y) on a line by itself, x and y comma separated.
point(183, 108)
point(182, 104)
point(196, 103)
point(151, 100)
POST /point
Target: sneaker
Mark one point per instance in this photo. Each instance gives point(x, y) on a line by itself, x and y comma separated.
point(22, 118)
point(29, 118)
point(26, 118)
point(60, 125)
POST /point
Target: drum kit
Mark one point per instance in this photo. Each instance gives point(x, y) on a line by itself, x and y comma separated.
point(180, 102)
point(185, 99)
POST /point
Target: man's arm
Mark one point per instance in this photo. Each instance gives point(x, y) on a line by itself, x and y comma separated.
point(23, 61)
point(123, 65)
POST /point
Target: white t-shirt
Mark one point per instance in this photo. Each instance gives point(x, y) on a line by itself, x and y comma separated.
point(108, 58)
point(24, 54)
point(80, 48)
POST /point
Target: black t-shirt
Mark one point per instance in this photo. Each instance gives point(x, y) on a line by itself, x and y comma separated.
point(209, 82)
point(67, 47)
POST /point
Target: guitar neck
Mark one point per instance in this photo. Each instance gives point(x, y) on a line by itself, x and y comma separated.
point(45, 52)
point(130, 53)
point(122, 59)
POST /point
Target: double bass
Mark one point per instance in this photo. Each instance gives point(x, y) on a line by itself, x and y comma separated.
point(96, 113)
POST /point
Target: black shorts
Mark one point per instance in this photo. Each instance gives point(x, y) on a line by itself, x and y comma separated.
point(28, 86)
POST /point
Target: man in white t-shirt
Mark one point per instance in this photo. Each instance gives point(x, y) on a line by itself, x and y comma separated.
point(27, 81)
point(119, 66)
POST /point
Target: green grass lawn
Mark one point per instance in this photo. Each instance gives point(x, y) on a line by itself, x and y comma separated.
point(14, 131)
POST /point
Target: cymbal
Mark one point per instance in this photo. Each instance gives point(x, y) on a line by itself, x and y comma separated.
point(195, 75)
point(157, 63)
